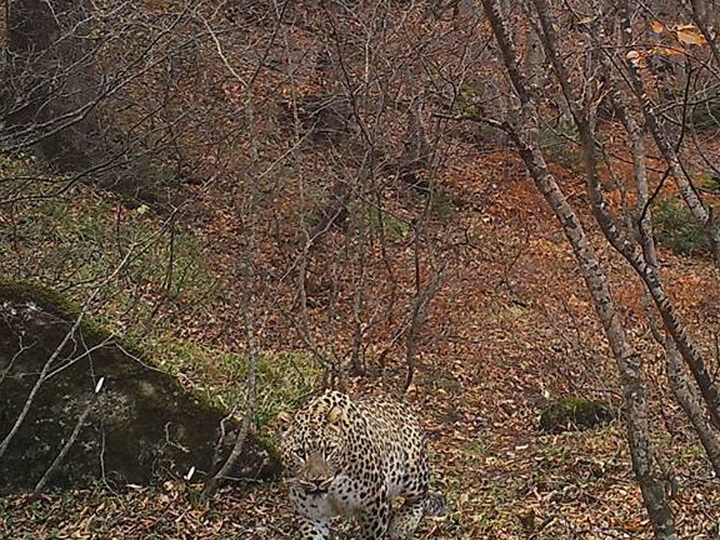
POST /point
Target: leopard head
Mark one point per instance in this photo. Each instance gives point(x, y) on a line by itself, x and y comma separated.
point(313, 442)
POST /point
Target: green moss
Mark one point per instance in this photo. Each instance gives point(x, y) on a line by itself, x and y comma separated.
point(18, 290)
point(574, 413)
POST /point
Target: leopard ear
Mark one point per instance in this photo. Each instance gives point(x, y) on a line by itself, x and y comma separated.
point(336, 415)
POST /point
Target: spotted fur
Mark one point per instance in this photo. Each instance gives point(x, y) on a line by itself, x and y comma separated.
point(353, 458)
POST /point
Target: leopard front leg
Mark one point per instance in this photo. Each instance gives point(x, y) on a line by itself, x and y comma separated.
point(374, 518)
point(313, 512)
point(405, 520)
point(318, 529)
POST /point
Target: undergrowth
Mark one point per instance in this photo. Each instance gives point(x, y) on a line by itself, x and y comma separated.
point(66, 247)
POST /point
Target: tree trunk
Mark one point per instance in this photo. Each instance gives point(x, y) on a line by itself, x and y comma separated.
point(628, 360)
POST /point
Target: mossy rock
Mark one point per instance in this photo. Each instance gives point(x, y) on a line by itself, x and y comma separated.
point(143, 427)
point(574, 414)
point(51, 302)
point(22, 291)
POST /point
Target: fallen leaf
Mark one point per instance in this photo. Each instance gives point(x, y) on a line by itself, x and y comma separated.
point(689, 34)
point(657, 27)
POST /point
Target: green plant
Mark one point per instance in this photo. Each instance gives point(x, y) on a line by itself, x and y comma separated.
point(561, 144)
point(285, 378)
point(391, 226)
point(705, 112)
point(710, 182)
point(677, 228)
point(468, 98)
point(282, 378)
point(73, 242)
point(16, 164)
point(311, 219)
point(443, 204)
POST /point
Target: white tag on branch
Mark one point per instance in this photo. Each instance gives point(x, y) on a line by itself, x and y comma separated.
point(635, 58)
point(99, 385)
point(189, 474)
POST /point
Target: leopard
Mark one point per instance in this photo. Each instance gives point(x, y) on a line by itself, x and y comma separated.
point(365, 458)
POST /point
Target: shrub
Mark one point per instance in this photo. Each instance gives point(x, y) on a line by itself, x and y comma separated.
point(705, 113)
point(561, 144)
point(677, 228)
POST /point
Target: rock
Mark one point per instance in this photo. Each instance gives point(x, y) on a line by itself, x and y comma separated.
point(142, 427)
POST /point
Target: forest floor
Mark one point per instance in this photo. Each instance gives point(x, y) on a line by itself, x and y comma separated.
point(512, 328)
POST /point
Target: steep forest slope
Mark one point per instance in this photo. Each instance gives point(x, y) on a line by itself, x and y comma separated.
point(288, 195)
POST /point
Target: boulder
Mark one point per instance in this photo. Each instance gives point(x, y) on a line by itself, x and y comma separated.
point(142, 427)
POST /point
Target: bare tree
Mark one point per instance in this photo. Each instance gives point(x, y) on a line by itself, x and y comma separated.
point(604, 77)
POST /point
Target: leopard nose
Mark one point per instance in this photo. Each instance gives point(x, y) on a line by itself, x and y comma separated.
point(316, 484)
point(308, 484)
point(324, 485)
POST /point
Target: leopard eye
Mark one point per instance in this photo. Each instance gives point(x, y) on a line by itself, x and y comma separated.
point(299, 455)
